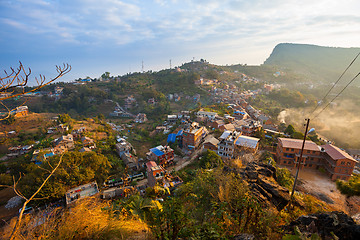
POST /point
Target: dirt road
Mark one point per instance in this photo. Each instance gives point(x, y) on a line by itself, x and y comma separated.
point(321, 186)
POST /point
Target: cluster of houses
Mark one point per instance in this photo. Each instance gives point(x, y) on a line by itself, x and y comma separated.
point(176, 97)
point(141, 118)
point(203, 81)
point(154, 166)
point(236, 137)
point(130, 102)
point(121, 112)
point(63, 144)
point(57, 93)
point(17, 151)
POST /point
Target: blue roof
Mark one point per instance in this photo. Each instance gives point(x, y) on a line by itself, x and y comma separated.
point(49, 154)
point(180, 132)
point(171, 137)
point(239, 112)
point(157, 152)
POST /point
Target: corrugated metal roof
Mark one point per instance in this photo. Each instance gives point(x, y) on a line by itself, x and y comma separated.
point(157, 152)
point(245, 141)
point(225, 134)
point(171, 137)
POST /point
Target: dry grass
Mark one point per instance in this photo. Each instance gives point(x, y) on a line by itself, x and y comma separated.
point(29, 123)
point(89, 218)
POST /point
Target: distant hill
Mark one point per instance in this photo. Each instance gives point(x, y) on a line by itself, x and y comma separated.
point(316, 62)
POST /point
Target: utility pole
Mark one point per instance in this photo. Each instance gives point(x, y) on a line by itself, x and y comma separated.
point(142, 66)
point(170, 63)
point(300, 159)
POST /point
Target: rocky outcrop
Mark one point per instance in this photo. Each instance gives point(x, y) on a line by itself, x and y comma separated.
point(262, 183)
point(244, 236)
point(326, 224)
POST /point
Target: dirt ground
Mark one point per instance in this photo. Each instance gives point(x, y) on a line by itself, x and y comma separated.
point(29, 122)
point(321, 186)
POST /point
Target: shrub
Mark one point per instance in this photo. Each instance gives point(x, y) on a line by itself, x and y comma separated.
point(284, 178)
point(350, 188)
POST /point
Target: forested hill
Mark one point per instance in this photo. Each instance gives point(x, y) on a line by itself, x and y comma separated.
point(316, 62)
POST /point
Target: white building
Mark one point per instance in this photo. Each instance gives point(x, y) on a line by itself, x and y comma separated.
point(209, 115)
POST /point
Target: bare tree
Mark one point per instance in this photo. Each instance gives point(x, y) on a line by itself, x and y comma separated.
point(16, 228)
point(13, 84)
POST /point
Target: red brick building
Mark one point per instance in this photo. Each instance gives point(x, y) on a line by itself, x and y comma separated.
point(160, 154)
point(211, 143)
point(193, 136)
point(155, 173)
point(250, 128)
point(337, 163)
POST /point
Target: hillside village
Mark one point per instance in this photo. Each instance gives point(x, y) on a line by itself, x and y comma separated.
point(146, 153)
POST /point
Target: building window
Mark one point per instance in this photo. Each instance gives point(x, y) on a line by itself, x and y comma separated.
point(348, 163)
point(342, 162)
point(310, 165)
point(287, 149)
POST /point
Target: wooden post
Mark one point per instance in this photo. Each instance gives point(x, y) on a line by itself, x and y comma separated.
point(299, 162)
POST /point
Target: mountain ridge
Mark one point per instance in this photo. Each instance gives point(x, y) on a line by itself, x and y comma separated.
point(316, 62)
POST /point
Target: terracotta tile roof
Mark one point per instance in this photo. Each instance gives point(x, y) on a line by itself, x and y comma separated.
point(297, 144)
point(336, 153)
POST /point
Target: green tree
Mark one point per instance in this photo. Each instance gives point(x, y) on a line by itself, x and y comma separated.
point(76, 168)
point(210, 160)
point(289, 129)
point(106, 75)
point(260, 134)
point(212, 74)
point(64, 118)
point(141, 207)
point(297, 135)
point(167, 222)
point(350, 188)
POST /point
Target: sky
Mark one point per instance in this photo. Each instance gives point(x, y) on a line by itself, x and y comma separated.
point(95, 36)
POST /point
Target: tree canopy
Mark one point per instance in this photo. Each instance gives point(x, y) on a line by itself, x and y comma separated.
point(76, 168)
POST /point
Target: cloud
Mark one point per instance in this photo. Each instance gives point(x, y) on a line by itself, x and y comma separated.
point(230, 30)
point(172, 20)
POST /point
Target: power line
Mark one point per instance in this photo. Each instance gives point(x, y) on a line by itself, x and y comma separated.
point(338, 94)
point(336, 82)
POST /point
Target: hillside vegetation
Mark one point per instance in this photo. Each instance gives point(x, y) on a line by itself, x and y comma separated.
point(317, 62)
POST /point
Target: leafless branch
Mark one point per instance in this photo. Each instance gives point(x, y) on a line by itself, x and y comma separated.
point(19, 79)
point(17, 224)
